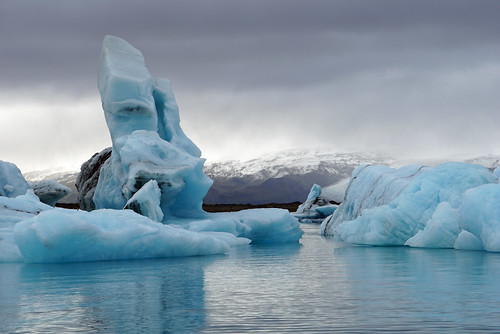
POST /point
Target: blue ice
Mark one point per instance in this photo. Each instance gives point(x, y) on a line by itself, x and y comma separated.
point(155, 170)
point(453, 205)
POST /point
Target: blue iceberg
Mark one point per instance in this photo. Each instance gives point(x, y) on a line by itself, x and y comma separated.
point(149, 193)
point(453, 205)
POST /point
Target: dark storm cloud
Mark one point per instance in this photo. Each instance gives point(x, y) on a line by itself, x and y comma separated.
point(360, 72)
point(271, 42)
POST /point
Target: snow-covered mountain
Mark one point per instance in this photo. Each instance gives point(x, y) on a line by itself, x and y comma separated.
point(64, 177)
point(282, 177)
point(282, 163)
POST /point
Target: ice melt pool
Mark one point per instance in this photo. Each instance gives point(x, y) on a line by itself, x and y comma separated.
point(318, 286)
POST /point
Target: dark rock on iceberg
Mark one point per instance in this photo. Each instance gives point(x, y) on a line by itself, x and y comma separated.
point(86, 181)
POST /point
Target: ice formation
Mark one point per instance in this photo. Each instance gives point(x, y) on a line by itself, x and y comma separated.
point(315, 208)
point(13, 211)
point(146, 201)
point(147, 190)
point(453, 205)
point(60, 235)
point(258, 225)
point(148, 143)
point(50, 191)
point(12, 182)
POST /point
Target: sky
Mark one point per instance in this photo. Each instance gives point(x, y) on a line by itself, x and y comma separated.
point(411, 78)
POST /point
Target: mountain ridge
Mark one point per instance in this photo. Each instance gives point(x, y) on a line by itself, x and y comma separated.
point(282, 177)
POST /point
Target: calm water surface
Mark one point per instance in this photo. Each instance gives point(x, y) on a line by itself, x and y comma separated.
point(316, 286)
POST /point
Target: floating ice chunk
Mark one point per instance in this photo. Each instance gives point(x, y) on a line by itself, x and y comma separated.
point(440, 231)
point(61, 235)
point(385, 206)
point(480, 215)
point(146, 201)
point(12, 182)
point(313, 195)
point(268, 225)
point(315, 208)
point(49, 191)
point(258, 225)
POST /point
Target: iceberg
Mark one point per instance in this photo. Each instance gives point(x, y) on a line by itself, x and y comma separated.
point(142, 198)
point(316, 207)
point(147, 141)
point(261, 226)
point(60, 235)
point(148, 144)
point(448, 206)
point(12, 182)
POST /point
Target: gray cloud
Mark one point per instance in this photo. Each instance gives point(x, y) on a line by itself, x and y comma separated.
point(415, 76)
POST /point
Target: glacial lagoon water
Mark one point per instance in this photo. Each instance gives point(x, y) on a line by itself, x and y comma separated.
point(317, 286)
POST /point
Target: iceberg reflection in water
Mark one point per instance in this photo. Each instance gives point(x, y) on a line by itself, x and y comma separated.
point(317, 286)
